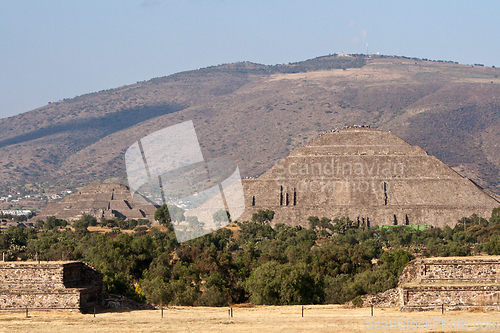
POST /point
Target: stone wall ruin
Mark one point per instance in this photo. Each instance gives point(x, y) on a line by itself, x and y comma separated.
point(454, 283)
point(49, 285)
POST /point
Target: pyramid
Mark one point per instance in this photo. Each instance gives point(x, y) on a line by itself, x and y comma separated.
point(372, 177)
point(101, 201)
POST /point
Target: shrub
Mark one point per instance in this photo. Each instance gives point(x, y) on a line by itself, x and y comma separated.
point(357, 302)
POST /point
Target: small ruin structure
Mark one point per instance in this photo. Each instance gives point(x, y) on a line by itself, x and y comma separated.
point(49, 285)
point(451, 283)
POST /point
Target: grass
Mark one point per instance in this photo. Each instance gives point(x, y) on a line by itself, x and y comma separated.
point(413, 226)
point(317, 318)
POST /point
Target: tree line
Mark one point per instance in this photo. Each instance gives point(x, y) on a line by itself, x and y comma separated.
point(332, 261)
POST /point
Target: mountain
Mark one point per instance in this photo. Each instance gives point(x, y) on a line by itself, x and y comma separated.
point(256, 114)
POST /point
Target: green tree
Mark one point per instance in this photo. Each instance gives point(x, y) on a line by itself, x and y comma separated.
point(221, 216)
point(168, 214)
point(263, 216)
point(162, 215)
point(284, 284)
point(396, 260)
point(80, 226)
point(495, 216)
point(493, 246)
point(313, 222)
point(53, 222)
point(39, 224)
point(194, 223)
point(89, 219)
point(176, 213)
point(343, 224)
point(156, 290)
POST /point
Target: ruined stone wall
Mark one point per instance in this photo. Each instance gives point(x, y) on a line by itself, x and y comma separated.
point(54, 285)
point(454, 283)
point(450, 296)
point(31, 276)
point(463, 269)
point(56, 299)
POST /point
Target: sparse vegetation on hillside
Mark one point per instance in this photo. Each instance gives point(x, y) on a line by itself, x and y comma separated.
point(254, 114)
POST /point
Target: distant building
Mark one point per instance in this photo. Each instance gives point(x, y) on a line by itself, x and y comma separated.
point(17, 212)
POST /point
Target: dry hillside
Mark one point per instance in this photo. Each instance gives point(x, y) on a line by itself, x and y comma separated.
point(255, 114)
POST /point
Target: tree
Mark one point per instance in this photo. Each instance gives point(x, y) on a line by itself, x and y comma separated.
point(169, 213)
point(89, 219)
point(263, 216)
point(221, 216)
point(80, 226)
point(53, 223)
point(495, 216)
point(176, 213)
point(324, 223)
point(493, 246)
point(343, 224)
point(20, 218)
point(39, 224)
point(396, 260)
point(162, 215)
point(285, 284)
point(84, 222)
point(313, 222)
point(194, 223)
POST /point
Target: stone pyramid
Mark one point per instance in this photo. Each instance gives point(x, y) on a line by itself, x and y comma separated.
point(101, 201)
point(371, 176)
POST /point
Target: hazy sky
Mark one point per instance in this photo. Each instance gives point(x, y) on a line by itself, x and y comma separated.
point(50, 50)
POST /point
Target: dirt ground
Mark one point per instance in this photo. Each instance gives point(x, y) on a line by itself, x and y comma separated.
point(321, 318)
